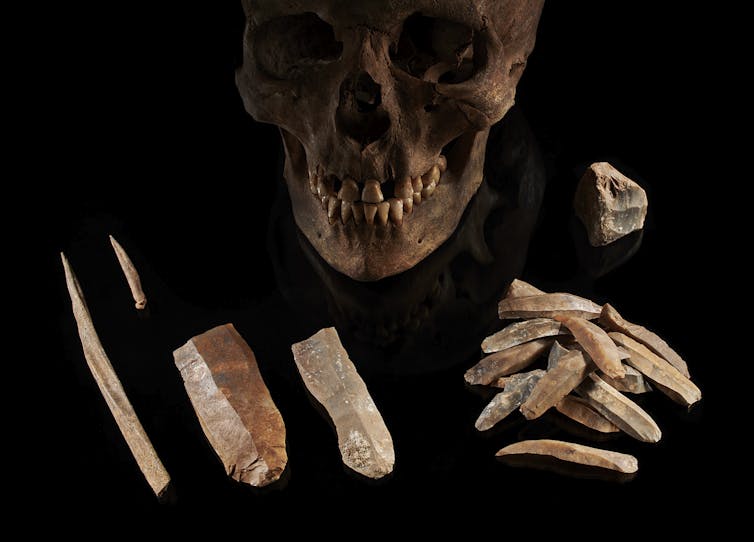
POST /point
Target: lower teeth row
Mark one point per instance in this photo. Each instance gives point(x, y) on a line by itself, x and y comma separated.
point(367, 205)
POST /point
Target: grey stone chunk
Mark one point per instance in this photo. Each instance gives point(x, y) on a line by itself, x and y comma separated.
point(609, 204)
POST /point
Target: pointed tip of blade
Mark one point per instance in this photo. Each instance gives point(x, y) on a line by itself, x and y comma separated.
point(66, 263)
point(116, 245)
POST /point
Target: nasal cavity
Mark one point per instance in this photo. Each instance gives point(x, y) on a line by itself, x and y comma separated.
point(366, 93)
point(359, 113)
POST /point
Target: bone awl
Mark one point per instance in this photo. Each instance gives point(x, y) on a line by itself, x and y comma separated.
point(112, 390)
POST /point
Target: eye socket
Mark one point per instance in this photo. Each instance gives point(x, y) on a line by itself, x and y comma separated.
point(286, 46)
point(435, 50)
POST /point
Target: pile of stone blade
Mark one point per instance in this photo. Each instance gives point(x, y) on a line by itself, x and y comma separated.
point(594, 357)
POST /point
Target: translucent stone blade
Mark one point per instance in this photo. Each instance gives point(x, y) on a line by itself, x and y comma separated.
point(330, 376)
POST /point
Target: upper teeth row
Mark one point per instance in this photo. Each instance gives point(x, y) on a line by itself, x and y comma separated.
point(367, 203)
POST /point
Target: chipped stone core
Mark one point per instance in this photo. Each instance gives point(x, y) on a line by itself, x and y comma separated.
point(609, 204)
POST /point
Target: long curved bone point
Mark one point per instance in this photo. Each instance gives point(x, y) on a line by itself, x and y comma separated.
point(132, 276)
point(506, 362)
point(517, 389)
point(112, 390)
point(330, 376)
point(579, 411)
point(574, 453)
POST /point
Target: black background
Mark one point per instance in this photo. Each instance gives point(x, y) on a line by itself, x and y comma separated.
point(153, 145)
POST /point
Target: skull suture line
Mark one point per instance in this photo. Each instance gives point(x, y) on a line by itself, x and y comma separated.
point(384, 108)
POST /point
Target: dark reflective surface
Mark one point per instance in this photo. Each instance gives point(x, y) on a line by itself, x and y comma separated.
point(209, 254)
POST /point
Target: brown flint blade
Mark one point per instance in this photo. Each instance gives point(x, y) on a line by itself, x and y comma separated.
point(547, 306)
point(613, 321)
point(597, 344)
point(506, 362)
point(619, 409)
point(233, 405)
point(574, 453)
point(521, 332)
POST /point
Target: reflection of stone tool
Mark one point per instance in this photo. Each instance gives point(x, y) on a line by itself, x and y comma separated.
point(112, 390)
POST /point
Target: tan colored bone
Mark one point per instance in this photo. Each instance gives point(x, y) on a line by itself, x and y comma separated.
point(633, 382)
point(132, 276)
point(517, 389)
point(233, 404)
point(112, 390)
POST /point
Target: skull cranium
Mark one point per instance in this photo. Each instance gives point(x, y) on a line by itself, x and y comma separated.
point(384, 109)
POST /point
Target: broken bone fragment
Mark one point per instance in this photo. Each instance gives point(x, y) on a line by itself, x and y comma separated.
point(574, 453)
point(521, 332)
point(558, 382)
point(669, 379)
point(131, 274)
point(517, 389)
point(579, 411)
point(506, 362)
point(547, 306)
point(609, 204)
point(112, 390)
point(330, 376)
point(611, 319)
point(233, 404)
point(596, 343)
point(619, 409)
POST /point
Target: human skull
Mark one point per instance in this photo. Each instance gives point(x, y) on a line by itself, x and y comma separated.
point(384, 108)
